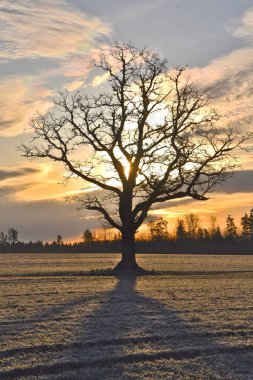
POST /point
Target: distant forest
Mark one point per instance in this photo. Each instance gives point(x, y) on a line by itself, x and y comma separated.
point(189, 237)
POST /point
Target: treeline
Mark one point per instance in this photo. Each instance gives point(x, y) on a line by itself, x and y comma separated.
point(188, 237)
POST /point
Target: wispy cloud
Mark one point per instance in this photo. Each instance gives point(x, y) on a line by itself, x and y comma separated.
point(6, 173)
point(244, 27)
point(45, 28)
point(9, 192)
point(230, 77)
point(43, 219)
point(74, 85)
point(99, 79)
point(20, 97)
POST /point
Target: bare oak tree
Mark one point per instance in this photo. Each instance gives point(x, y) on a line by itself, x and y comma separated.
point(150, 138)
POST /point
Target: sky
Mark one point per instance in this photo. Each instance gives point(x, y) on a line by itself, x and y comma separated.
point(46, 46)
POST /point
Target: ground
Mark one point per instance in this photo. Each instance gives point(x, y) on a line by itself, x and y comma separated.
point(192, 321)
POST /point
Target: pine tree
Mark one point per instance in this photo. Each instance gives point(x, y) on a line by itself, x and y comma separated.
point(180, 230)
point(217, 235)
point(59, 240)
point(230, 232)
point(200, 234)
point(206, 234)
point(245, 223)
point(251, 223)
point(87, 236)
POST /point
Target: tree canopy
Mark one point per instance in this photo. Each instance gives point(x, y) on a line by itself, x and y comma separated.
point(151, 137)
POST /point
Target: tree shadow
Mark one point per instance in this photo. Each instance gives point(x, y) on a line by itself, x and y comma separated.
point(131, 330)
point(131, 336)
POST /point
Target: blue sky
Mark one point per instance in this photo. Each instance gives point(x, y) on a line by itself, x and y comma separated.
point(46, 46)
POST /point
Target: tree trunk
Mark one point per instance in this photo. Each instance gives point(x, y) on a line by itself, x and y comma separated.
point(128, 259)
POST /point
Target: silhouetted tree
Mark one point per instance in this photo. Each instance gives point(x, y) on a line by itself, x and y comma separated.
point(251, 223)
point(192, 225)
point(159, 229)
point(213, 227)
point(247, 225)
point(217, 235)
point(3, 238)
point(230, 232)
point(215, 231)
point(180, 230)
point(206, 234)
point(87, 236)
point(152, 136)
point(12, 235)
point(200, 234)
point(59, 240)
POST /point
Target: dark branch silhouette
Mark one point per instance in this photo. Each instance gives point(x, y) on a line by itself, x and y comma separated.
point(150, 138)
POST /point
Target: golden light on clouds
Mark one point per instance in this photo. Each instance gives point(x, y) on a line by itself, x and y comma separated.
point(219, 205)
point(20, 97)
point(51, 30)
point(99, 79)
point(72, 86)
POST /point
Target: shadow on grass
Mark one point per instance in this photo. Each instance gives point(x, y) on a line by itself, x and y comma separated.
point(130, 336)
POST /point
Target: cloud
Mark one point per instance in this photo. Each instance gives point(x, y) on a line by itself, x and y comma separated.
point(14, 173)
point(99, 79)
point(229, 78)
point(44, 220)
point(241, 182)
point(45, 28)
point(24, 182)
point(40, 181)
point(219, 204)
point(223, 67)
point(75, 85)
point(244, 29)
point(80, 64)
point(20, 97)
point(232, 197)
point(8, 192)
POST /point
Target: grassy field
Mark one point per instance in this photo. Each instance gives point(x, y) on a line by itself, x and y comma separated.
point(192, 321)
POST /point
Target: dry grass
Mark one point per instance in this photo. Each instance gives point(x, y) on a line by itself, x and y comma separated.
point(193, 321)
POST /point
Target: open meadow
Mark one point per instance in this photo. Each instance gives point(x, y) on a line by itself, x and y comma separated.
point(193, 320)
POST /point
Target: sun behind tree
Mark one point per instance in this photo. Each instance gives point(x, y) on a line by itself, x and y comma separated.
point(150, 138)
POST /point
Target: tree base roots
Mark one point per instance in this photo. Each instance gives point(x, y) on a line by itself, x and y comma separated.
point(125, 268)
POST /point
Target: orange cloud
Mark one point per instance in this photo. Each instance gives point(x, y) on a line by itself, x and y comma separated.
point(45, 29)
point(74, 85)
point(20, 97)
point(99, 79)
point(35, 181)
